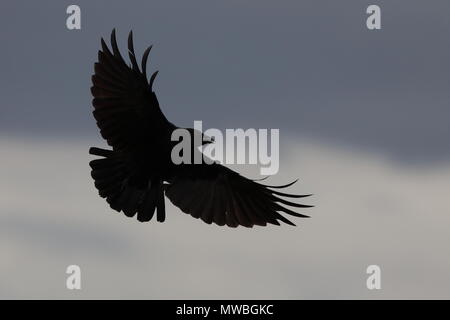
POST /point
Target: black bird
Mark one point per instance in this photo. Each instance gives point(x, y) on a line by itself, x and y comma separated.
point(136, 174)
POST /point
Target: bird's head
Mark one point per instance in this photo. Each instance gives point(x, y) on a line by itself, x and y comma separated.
point(197, 135)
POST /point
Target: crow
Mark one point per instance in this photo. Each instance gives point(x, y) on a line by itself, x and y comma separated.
point(136, 174)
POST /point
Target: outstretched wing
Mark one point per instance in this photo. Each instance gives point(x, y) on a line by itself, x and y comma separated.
point(126, 108)
point(131, 121)
point(219, 195)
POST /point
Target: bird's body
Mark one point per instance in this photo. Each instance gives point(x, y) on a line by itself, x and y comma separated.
point(138, 172)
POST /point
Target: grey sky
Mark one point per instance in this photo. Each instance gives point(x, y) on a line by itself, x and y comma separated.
point(310, 68)
point(363, 118)
point(369, 211)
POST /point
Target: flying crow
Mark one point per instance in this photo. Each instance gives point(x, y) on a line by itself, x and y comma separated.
point(138, 172)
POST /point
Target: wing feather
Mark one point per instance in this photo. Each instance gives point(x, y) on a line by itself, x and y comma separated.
point(222, 196)
point(123, 96)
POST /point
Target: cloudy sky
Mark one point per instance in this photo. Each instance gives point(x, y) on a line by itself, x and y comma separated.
point(364, 123)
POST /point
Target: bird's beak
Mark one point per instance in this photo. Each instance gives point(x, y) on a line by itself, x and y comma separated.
point(207, 140)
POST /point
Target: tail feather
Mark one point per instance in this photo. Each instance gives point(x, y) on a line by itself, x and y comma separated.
point(113, 179)
point(101, 152)
point(160, 206)
point(148, 205)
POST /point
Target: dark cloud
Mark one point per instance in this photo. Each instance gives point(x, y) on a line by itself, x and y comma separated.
point(310, 68)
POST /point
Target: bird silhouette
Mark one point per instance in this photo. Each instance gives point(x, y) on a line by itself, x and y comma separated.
point(138, 172)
